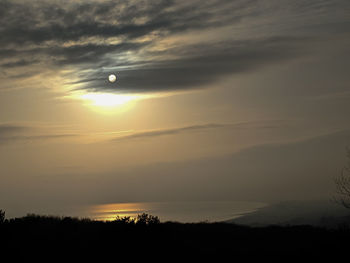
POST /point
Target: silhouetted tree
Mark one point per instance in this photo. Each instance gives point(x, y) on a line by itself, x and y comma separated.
point(342, 184)
point(124, 220)
point(146, 219)
point(2, 216)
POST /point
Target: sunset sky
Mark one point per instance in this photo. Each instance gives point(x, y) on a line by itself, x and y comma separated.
point(240, 100)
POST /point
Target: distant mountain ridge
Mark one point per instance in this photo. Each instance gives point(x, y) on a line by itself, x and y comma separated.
point(321, 213)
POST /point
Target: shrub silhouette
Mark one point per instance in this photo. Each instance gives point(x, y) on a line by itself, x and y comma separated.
point(124, 220)
point(146, 219)
point(145, 235)
point(2, 216)
point(143, 219)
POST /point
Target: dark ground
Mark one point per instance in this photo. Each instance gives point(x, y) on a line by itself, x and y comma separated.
point(58, 238)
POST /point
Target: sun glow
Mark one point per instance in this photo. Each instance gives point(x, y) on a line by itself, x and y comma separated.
point(107, 100)
point(109, 103)
point(106, 103)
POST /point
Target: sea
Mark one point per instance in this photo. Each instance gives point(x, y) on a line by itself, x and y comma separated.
point(184, 212)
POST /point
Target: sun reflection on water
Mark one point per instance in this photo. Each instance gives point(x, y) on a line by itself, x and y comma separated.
point(108, 212)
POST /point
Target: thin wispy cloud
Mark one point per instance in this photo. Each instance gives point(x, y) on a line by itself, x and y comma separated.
point(267, 124)
point(10, 133)
point(6, 129)
point(162, 132)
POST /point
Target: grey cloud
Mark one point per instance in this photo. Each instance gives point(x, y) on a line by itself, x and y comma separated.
point(44, 21)
point(190, 69)
point(194, 69)
point(38, 32)
point(60, 55)
point(19, 63)
point(77, 34)
point(90, 52)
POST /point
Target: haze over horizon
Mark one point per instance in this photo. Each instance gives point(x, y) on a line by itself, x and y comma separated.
point(240, 100)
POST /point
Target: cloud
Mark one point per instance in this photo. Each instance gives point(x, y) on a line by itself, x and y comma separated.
point(34, 137)
point(6, 129)
point(193, 69)
point(45, 21)
point(15, 133)
point(19, 132)
point(94, 38)
point(172, 131)
point(156, 133)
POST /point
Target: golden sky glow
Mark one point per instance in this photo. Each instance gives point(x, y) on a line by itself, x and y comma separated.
point(106, 103)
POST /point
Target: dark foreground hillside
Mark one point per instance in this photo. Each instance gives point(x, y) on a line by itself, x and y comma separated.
point(55, 238)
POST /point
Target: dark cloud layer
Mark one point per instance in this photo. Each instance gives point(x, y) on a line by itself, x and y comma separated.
point(123, 37)
point(44, 21)
point(194, 69)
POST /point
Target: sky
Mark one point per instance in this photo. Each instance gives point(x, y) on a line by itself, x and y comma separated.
point(216, 100)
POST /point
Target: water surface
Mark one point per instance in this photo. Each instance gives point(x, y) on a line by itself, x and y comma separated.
point(173, 211)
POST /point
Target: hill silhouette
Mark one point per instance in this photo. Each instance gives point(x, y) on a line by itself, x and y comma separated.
point(62, 238)
point(321, 213)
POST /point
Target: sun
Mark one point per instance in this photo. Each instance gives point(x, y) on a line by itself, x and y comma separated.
point(112, 78)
